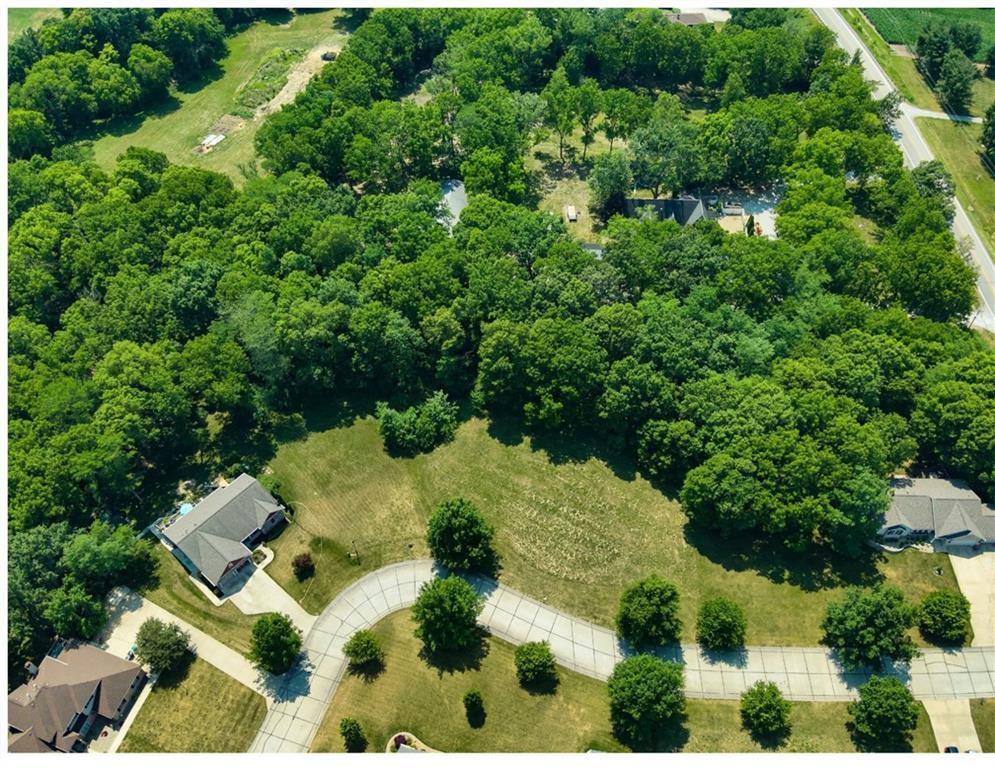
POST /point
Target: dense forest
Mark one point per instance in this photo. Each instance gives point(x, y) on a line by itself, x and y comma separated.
point(162, 322)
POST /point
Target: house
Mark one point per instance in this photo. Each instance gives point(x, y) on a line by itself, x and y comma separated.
point(76, 691)
point(945, 513)
point(684, 210)
point(688, 19)
point(214, 540)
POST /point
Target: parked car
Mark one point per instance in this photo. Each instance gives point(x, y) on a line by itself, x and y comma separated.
point(328, 56)
point(951, 748)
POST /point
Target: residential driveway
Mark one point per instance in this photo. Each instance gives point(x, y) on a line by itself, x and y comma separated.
point(127, 611)
point(976, 578)
point(261, 594)
point(952, 724)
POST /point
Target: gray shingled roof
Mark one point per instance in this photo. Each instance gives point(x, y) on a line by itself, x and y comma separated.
point(946, 507)
point(211, 534)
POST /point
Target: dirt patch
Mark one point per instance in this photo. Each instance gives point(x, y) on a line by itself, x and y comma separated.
point(298, 77)
point(901, 50)
point(227, 124)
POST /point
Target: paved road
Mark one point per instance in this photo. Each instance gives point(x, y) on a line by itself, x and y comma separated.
point(916, 151)
point(952, 724)
point(808, 674)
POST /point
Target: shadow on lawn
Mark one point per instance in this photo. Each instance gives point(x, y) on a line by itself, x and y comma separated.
point(171, 679)
point(450, 662)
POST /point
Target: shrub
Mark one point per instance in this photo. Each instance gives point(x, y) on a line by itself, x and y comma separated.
point(303, 565)
point(645, 696)
point(721, 624)
point(647, 613)
point(363, 650)
point(275, 643)
point(765, 712)
point(459, 537)
point(418, 428)
point(446, 613)
point(944, 617)
point(536, 666)
point(160, 645)
point(473, 703)
point(352, 735)
point(869, 624)
point(884, 715)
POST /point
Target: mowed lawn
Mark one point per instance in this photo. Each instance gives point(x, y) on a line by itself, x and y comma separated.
point(178, 127)
point(200, 709)
point(983, 714)
point(958, 145)
point(20, 19)
point(409, 695)
point(572, 533)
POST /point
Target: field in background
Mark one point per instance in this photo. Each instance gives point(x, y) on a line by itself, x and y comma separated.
point(20, 19)
point(903, 25)
point(177, 127)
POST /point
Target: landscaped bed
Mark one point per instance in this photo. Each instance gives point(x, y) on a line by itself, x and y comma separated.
point(409, 695)
point(198, 709)
point(571, 530)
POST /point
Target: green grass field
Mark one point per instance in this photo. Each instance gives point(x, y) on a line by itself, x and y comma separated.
point(983, 714)
point(199, 709)
point(902, 25)
point(571, 531)
point(177, 127)
point(958, 145)
point(410, 695)
point(20, 19)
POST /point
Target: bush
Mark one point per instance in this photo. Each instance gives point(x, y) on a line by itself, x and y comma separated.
point(884, 715)
point(721, 624)
point(647, 613)
point(764, 711)
point(945, 617)
point(459, 537)
point(160, 645)
point(473, 703)
point(303, 565)
point(363, 650)
point(352, 735)
point(646, 695)
point(446, 613)
point(275, 643)
point(536, 666)
point(419, 428)
point(869, 624)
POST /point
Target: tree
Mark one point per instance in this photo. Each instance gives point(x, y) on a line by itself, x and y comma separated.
point(303, 565)
point(352, 735)
point(721, 624)
point(561, 105)
point(990, 63)
point(935, 183)
point(364, 651)
point(932, 46)
point(611, 181)
point(487, 172)
point(945, 617)
point(647, 613)
point(419, 428)
point(766, 714)
point(646, 696)
point(884, 715)
point(955, 86)
point(473, 704)
point(446, 614)
point(152, 69)
point(74, 613)
point(275, 643)
point(988, 131)
point(28, 134)
point(623, 111)
point(966, 35)
point(869, 624)
point(733, 90)
point(588, 101)
point(160, 645)
point(665, 152)
point(104, 556)
point(535, 666)
point(192, 38)
point(460, 538)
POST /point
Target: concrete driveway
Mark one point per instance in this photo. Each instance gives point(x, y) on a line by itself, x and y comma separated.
point(952, 724)
point(976, 578)
point(261, 594)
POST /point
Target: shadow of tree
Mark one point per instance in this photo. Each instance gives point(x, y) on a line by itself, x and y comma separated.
point(458, 660)
point(172, 678)
point(367, 672)
point(671, 736)
point(883, 742)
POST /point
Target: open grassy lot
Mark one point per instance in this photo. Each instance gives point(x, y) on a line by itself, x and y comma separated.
point(20, 19)
point(903, 25)
point(983, 714)
point(175, 592)
point(412, 696)
point(177, 127)
point(198, 709)
point(958, 145)
point(572, 530)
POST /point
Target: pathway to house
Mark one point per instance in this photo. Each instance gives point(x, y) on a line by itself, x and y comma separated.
point(913, 111)
point(952, 724)
point(809, 674)
point(976, 579)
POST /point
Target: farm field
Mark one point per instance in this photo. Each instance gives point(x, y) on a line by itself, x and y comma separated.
point(902, 25)
point(410, 695)
point(196, 110)
point(197, 709)
point(958, 145)
point(571, 530)
point(20, 19)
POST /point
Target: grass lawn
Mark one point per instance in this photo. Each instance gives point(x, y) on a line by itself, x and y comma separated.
point(200, 709)
point(983, 714)
point(178, 594)
point(193, 111)
point(20, 19)
point(410, 695)
point(958, 145)
point(571, 530)
point(903, 25)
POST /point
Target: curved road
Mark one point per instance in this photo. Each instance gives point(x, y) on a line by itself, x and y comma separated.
point(916, 151)
point(809, 674)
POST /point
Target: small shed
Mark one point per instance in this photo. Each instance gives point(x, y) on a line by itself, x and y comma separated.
point(571, 213)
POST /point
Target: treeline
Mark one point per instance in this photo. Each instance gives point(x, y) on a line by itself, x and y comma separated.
point(99, 63)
